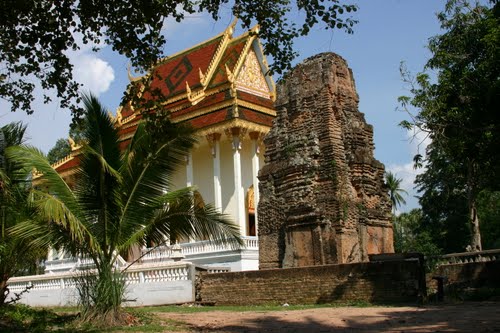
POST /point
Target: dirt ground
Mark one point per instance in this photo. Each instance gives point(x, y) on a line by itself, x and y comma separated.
point(466, 317)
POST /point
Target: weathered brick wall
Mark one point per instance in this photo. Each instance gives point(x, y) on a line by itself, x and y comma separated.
point(392, 281)
point(475, 274)
point(323, 199)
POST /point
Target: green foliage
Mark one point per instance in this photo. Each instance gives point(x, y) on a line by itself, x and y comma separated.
point(101, 296)
point(38, 35)
point(395, 190)
point(22, 318)
point(459, 112)
point(62, 147)
point(444, 203)
point(410, 234)
point(60, 150)
point(489, 212)
point(119, 201)
point(16, 257)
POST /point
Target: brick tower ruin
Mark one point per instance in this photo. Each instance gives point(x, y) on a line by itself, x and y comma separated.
point(323, 199)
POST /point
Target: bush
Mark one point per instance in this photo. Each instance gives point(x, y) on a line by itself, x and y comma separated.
point(101, 296)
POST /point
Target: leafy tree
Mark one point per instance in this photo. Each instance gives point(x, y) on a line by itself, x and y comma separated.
point(37, 35)
point(489, 211)
point(16, 257)
point(444, 201)
point(119, 201)
point(395, 190)
point(60, 150)
point(410, 235)
point(460, 111)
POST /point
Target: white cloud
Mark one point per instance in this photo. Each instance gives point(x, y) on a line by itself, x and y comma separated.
point(418, 142)
point(407, 174)
point(49, 122)
point(95, 74)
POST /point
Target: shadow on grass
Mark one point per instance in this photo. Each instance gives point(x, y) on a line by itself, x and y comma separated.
point(21, 318)
point(467, 317)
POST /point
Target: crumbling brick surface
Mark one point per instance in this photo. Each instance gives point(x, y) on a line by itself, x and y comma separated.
point(323, 198)
point(391, 281)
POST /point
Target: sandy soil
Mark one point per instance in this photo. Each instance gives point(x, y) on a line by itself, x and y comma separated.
point(467, 317)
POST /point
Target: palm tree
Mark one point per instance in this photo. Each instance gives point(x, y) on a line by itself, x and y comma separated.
point(395, 190)
point(119, 201)
point(15, 256)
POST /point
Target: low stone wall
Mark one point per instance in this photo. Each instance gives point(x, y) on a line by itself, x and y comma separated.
point(470, 275)
point(147, 284)
point(385, 281)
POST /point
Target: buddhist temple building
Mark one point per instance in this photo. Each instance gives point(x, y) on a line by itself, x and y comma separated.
point(222, 88)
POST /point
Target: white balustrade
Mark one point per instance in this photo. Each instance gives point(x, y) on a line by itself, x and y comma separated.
point(57, 285)
point(468, 257)
point(163, 253)
point(138, 273)
point(54, 289)
point(75, 264)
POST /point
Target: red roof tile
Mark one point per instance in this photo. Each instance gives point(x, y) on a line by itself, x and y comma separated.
point(266, 102)
point(206, 102)
point(171, 75)
point(256, 117)
point(211, 119)
point(230, 57)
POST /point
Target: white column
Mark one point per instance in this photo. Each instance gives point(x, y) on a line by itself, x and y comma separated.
point(214, 141)
point(238, 188)
point(189, 180)
point(189, 170)
point(255, 172)
point(51, 254)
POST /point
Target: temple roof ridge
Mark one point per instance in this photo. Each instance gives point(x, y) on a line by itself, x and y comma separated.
point(227, 32)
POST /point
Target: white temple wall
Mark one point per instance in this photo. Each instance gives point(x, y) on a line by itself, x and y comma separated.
point(203, 172)
point(246, 166)
point(179, 178)
point(227, 177)
point(203, 175)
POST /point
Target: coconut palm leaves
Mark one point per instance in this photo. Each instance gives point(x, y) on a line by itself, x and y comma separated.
point(395, 190)
point(119, 200)
point(16, 257)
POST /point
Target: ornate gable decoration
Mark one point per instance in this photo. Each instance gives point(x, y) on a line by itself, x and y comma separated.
point(251, 79)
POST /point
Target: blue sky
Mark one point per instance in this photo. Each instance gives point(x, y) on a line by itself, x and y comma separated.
point(388, 32)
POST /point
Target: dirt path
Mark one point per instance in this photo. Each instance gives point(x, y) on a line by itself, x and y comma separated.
point(468, 317)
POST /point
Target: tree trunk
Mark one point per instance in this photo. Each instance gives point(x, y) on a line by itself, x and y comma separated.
point(473, 217)
point(4, 291)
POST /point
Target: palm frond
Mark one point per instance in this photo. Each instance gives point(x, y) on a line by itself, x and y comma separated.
point(104, 164)
point(395, 191)
point(148, 166)
point(13, 134)
point(98, 180)
point(179, 217)
point(54, 213)
point(32, 158)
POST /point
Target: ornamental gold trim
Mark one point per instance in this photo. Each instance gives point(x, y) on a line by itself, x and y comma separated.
point(219, 53)
point(203, 111)
point(252, 34)
point(232, 123)
point(256, 107)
